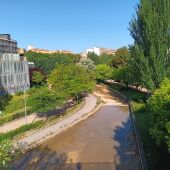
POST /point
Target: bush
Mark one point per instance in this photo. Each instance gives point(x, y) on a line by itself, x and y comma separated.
point(14, 105)
point(159, 104)
point(7, 153)
point(4, 100)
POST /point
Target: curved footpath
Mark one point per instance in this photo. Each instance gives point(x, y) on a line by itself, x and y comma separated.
point(50, 131)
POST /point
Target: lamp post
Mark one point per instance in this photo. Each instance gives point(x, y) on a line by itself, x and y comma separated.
point(1, 114)
point(25, 102)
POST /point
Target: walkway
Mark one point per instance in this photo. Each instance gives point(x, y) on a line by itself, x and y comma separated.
point(12, 125)
point(61, 126)
point(141, 89)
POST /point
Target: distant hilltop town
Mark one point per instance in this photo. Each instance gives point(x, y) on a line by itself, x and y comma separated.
point(45, 51)
point(97, 50)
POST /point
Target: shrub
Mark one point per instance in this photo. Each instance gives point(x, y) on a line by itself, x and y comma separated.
point(159, 104)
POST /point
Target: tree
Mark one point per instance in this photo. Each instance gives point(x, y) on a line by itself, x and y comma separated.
point(44, 100)
point(102, 59)
point(71, 80)
point(103, 72)
point(37, 77)
point(159, 104)
point(149, 29)
point(47, 62)
point(86, 63)
point(121, 58)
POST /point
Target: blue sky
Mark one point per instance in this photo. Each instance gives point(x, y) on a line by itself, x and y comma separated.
point(68, 24)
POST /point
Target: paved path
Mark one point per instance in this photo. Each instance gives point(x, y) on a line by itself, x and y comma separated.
point(141, 89)
point(18, 123)
point(64, 124)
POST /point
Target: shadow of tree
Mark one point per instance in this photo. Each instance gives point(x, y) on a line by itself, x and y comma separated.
point(127, 152)
point(59, 111)
point(42, 159)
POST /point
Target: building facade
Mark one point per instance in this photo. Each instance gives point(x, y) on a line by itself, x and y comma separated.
point(7, 45)
point(99, 51)
point(14, 73)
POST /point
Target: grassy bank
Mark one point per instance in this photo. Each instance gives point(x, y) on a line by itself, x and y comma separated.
point(30, 128)
point(157, 157)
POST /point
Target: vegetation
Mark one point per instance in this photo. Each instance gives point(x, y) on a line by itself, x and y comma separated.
point(4, 101)
point(102, 59)
point(87, 63)
point(7, 153)
point(159, 105)
point(38, 78)
point(19, 131)
point(121, 58)
point(103, 72)
point(157, 157)
point(71, 80)
point(150, 52)
point(44, 100)
point(47, 62)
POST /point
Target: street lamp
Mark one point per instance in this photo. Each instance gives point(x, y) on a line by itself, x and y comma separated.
point(1, 114)
point(25, 102)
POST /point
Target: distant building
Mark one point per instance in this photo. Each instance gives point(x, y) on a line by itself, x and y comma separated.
point(44, 51)
point(99, 51)
point(7, 45)
point(14, 74)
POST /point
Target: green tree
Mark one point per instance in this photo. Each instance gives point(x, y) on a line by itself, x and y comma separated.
point(103, 72)
point(47, 62)
point(44, 100)
point(71, 80)
point(149, 29)
point(86, 63)
point(121, 58)
point(159, 104)
point(102, 59)
point(38, 77)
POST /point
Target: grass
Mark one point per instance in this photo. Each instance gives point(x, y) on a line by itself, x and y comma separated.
point(157, 157)
point(21, 131)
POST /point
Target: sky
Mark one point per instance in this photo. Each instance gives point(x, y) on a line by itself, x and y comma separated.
point(68, 24)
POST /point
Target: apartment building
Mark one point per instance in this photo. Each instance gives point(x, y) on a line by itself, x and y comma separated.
point(14, 74)
point(99, 51)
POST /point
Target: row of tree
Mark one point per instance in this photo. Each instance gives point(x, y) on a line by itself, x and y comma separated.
point(146, 63)
point(47, 62)
point(65, 82)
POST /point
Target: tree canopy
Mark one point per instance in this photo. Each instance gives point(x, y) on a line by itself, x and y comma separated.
point(159, 104)
point(37, 77)
point(86, 63)
point(71, 79)
point(47, 62)
point(103, 72)
point(149, 29)
point(102, 59)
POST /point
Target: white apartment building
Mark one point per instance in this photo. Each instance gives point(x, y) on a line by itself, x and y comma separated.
point(14, 73)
